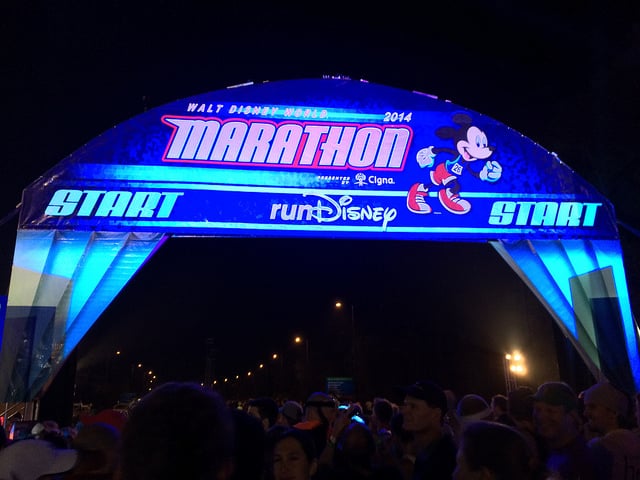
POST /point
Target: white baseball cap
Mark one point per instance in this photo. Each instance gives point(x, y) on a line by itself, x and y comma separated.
point(32, 458)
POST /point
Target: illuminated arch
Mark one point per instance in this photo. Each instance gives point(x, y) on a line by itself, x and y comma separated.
point(324, 158)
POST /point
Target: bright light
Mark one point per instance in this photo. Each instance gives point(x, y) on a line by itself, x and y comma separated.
point(274, 356)
point(517, 363)
point(215, 382)
point(118, 352)
point(248, 374)
point(338, 304)
point(261, 365)
point(226, 380)
point(297, 339)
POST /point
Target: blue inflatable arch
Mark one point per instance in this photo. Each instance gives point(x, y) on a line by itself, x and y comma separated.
point(325, 158)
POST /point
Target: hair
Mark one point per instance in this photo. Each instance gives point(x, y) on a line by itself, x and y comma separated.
point(356, 446)
point(249, 446)
point(383, 410)
point(178, 430)
point(499, 448)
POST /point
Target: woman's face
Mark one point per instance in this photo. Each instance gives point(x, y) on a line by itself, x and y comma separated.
point(290, 461)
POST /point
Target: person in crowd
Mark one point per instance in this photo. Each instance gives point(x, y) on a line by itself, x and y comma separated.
point(431, 453)
point(380, 420)
point(292, 455)
point(353, 456)
point(290, 413)
point(451, 421)
point(4, 441)
point(559, 426)
point(490, 450)
point(351, 451)
point(33, 458)
point(520, 410)
point(115, 418)
point(473, 407)
point(500, 409)
point(320, 411)
point(636, 412)
point(178, 430)
point(615, 448)
point(399, 439)
point(49, 430)
point(382, 411)
point(98, 447)
point(250, 446)
point(264, 409)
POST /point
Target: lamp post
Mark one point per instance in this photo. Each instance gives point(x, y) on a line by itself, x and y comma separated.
point(298, 340)
point(279, 377)
point(303, 371)
point(514, 366)
point(354, 342)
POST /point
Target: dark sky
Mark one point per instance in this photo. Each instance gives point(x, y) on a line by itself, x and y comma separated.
point(563, 74)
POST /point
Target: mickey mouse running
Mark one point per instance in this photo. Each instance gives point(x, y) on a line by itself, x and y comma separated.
point(470, 145)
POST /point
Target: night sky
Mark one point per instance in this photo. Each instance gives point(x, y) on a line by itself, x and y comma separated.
point(562, 74)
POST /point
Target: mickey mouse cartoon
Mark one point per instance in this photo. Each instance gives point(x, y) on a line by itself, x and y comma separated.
point(470, 145)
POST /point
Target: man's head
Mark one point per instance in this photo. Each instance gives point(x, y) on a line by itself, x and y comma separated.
point(178, 430)
point(604, 406)
point(382, 412)
point(425, 405)
point(264, 409)
point(555, 413)
point(290, 413)
point(520, 403)
point(320, 406)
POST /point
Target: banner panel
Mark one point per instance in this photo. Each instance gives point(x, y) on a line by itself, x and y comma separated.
point(323, 158)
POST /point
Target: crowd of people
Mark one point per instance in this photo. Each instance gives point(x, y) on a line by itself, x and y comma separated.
point(183, 430)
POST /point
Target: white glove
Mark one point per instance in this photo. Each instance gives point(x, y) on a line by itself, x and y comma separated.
point(491, 171)
point(425, 157)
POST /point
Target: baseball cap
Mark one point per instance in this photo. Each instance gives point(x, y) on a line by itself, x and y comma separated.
point(428, 391)
point(557, 394)
point(292, 410)
point(520, 402)
point(33, 458)
point(96, 437)
point(321, 399)
point(473, 407)
point(109, 416)
point(605, 394)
